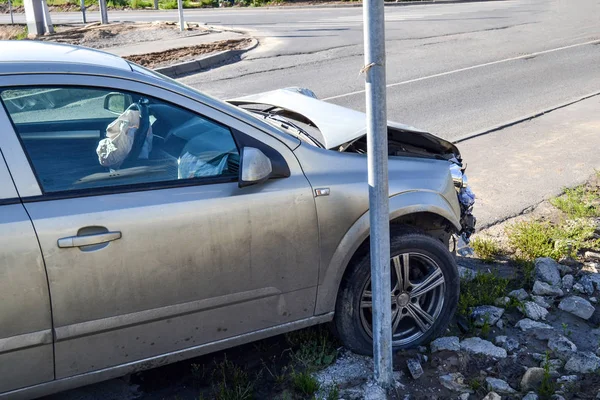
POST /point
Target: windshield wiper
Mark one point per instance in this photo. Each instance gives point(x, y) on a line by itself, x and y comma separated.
point(286, 124)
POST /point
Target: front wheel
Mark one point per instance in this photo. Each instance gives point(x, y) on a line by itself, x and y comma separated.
point(424, 295)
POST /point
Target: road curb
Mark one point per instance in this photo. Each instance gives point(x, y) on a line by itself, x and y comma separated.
point(529, 117)
point(202, 63)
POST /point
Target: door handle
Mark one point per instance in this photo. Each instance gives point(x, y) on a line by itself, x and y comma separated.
point(87, 240)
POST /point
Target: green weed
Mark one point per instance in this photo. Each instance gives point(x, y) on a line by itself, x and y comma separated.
point(232, 382)
point(533, 239)
point(547, 386)
point(304, 383)
point(313, 348)
point(578, 202)
point(483, 289)
point(486, 249)
point(333, 393)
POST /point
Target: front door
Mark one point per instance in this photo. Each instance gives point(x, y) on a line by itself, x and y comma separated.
point(161, 251)
point(25, 323)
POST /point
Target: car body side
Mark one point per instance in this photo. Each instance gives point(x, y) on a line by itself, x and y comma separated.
point(418, 186)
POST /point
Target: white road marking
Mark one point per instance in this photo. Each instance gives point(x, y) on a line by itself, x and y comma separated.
point(339, 96)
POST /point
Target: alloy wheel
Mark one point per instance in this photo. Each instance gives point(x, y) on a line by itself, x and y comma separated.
point(418, 288)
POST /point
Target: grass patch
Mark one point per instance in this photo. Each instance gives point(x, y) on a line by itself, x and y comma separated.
point(231, 382)
point(486, 249)
point(333, 393)
point(547, 386)
point(535, 239)
point(578, 202)
point(141, 4)
point(482, 290)
point(304, 383)
point(313, 348)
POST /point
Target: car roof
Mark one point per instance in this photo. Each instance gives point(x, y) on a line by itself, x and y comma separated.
point(56, 57)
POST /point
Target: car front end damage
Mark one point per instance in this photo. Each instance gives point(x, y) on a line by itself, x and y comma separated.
point(466, 199)
point(299, 112)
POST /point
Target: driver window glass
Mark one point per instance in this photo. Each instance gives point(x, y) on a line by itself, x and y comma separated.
point(85, 138)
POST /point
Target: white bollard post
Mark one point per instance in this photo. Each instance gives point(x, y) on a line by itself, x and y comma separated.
point(34, 16)
point(103, 12)
point(181, 21)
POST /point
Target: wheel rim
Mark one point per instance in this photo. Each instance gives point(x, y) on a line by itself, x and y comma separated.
point(418, 288)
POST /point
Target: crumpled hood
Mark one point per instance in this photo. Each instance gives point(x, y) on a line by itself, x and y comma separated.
point(338, 125)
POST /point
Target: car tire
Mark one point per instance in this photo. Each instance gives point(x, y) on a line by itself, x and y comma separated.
point(429, 263)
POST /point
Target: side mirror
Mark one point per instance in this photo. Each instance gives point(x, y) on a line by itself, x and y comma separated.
point(116, 103)
point(255, 167)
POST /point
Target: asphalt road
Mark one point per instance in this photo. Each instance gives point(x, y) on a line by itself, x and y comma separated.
point(453, 69)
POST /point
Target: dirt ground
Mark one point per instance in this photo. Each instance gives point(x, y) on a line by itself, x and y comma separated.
point(9, 32)
point(105, 36)
point(153, 60)
point(102, 36)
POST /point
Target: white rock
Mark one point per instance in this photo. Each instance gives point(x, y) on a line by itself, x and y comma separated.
point(567, 379)
point(541, 301)
point(492, 396)
point(567, 281)
point(591, 267)
point(584, 362)
point(477, 345)
point(596, 279)
point(482, 314)
point(591, 255)
point(500, 340)
point(588, 285)
point(499, 386)
point(533, 311)
point(578, 287)
point(414, 367)
point(502, 301)
point(577, 306)
point(546, 270)
point(593, 300)
point(520, 294)
point(464, 396)
point(500, 324)
point(562, 346)
point(526, 324)
point(454, 381)
point(466, 273)
point(530, 396)
point(532, 378)
point(544, 289)
point(449, 343)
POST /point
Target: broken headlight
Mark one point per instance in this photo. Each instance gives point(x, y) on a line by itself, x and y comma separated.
point(466, 198)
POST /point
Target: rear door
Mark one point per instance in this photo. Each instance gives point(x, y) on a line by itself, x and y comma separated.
point(167, 253)
point(26, 356)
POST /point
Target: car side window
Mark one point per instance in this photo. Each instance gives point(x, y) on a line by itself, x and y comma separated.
point(89, 138)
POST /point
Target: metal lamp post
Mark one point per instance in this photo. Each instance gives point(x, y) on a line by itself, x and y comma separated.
point(377, 156)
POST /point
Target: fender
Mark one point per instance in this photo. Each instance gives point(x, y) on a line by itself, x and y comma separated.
point(401, 204)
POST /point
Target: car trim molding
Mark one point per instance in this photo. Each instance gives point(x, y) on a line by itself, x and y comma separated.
point(122, 321)
point(59, 385)
point(26, 340)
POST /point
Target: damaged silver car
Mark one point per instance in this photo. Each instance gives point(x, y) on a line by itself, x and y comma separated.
point(143, 222)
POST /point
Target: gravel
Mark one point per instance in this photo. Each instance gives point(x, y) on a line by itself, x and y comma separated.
point(527, 324)
point(477, 345)
point(546, 270)
point(482, 314)
point(449, 343)
point(533, 311)
point(584, 362)
point(577, 306)
point(544, 289)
